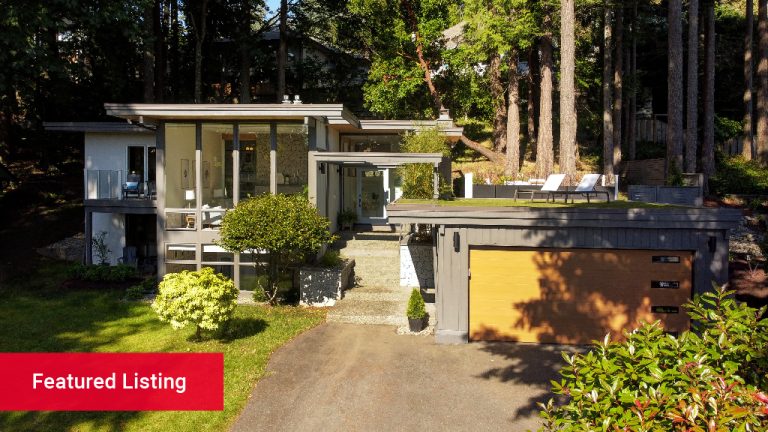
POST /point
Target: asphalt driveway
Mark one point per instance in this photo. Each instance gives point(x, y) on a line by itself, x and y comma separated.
point(344, 377)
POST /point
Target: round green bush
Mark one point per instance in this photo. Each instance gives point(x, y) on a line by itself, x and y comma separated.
point(201, 298)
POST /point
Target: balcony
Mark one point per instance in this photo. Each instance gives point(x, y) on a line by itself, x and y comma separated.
point(105, 191)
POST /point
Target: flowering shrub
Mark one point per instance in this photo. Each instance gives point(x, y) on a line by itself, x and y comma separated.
point(202, 298)
point(708, 379)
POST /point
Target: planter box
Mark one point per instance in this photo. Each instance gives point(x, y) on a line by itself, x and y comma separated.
point(679, 195)
point(323, 286)
point(483, 191)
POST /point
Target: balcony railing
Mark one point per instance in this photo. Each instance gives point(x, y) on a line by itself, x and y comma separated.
point(108, 185)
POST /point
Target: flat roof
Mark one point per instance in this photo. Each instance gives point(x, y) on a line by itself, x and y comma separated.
point(375, 158)
point(565, 217)
point(154, 112)
point(334, 114)
point(102, 127)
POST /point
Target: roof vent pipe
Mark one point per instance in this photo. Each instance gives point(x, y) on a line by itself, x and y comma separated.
point(296, 100)
point(286, 99)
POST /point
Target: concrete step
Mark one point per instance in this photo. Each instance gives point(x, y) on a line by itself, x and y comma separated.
point(376, 293)
point(365, 311)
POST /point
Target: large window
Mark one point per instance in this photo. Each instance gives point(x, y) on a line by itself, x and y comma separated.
point(254, 160)
point(180, 166)
point(371, 143)
point(216, 175)
point(292, 158)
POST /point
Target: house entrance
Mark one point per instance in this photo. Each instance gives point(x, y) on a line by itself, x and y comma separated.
point(376, 187)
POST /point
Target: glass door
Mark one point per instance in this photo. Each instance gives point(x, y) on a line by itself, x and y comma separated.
point(372, 195)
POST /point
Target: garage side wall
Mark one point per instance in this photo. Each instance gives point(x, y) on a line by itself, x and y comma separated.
point(709, 247)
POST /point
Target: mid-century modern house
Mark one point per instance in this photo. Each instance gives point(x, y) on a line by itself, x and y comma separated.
point(159, 181)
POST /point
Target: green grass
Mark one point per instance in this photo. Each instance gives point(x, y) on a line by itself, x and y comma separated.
point(503, 202)
point(36, 316)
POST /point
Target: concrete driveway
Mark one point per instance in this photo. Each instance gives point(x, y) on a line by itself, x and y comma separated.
point(344, 377)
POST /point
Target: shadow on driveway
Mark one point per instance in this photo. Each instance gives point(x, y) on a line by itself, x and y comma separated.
point(361, 378)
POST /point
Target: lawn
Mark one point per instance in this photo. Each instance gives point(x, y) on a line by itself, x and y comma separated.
point(37, 316)
point(559, 203)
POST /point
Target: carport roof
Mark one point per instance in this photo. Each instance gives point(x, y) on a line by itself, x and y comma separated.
point(381, 160)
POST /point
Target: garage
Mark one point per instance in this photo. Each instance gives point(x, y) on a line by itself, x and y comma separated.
point(568, 275)
point(575, 296)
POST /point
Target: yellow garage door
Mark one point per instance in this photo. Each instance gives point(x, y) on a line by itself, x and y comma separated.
point(575, 296)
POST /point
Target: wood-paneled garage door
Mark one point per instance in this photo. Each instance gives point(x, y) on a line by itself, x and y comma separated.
point(575, 296)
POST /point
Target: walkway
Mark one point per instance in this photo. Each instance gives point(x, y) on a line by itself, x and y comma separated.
point(341, 377)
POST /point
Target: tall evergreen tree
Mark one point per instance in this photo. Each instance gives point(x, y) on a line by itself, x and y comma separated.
point(675, 87)
point(692, 94)
point(567, 88)
point(747, 120)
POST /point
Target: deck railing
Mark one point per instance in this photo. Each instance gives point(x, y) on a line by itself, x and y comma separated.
point(104, 184)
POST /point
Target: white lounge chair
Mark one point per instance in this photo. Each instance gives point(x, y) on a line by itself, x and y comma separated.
point(586, 187)
point(552, 184)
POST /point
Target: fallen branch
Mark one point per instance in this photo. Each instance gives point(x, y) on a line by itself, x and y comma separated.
point(476, 146)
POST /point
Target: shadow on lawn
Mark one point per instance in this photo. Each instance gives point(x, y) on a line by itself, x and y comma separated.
point(240, 328)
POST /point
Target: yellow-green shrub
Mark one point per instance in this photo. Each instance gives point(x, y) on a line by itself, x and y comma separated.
point(201, 298)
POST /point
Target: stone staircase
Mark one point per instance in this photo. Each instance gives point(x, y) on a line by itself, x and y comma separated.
point(377, 297)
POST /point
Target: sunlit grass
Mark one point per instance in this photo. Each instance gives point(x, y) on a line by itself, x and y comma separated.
point(40, 318)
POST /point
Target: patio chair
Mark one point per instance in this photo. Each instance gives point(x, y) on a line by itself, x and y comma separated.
point(586, 187)
point(550, 185)
point(132, 185)
point(129, 257)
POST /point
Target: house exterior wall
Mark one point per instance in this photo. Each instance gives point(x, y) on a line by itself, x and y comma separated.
point(114, 225)
point(704, 232)
point(106, 151)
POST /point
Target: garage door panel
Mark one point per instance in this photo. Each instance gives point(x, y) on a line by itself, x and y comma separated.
point(573, 296)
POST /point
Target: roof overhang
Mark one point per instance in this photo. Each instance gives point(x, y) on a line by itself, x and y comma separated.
point(97, 127)
point(152, 113)
point(665, 218)
point(375, 159)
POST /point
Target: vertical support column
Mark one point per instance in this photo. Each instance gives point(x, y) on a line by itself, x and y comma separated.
point(468, 183)
point(198, 171)
point(160, 190)
point(236, 166)
point(272, 158)
point(88, 237)
point(435, 182)
point(312, 175)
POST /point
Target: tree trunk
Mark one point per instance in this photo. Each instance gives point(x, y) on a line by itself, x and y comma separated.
point(245, 53)
point(675, 88)
point(567, 89)
point(544, 156)
point(692, 111)
point(762, 82)
point(476, 146)
point(149, 54)
point(746, 150)
point(282, 53)
point(632, 122)
point(160, 50)
point(513, 120)
point(497, 101)
point(618, 84)
point(200, 28)
point(533, 99)
point(708, 146)
point(174, 50)
point(607, 109)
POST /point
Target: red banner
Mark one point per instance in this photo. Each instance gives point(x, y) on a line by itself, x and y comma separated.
point(111, 381)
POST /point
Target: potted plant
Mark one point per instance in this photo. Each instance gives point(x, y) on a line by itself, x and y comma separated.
point(416, 312)
point(347, 219)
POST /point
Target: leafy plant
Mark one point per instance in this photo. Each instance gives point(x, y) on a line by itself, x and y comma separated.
point(100, 245)
point(135, 292)
point(416, 308)
point(347, 217)
point(102, 273)
point(736, 175)
point(708, 379)
point(201, 298)
point(281, 230)
point(417, 178)
point(675, 177)
point(332, 258)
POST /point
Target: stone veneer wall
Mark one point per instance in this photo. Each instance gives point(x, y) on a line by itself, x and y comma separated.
point(416, 265)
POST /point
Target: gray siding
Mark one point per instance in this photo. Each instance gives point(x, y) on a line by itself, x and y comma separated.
point(453, 267)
